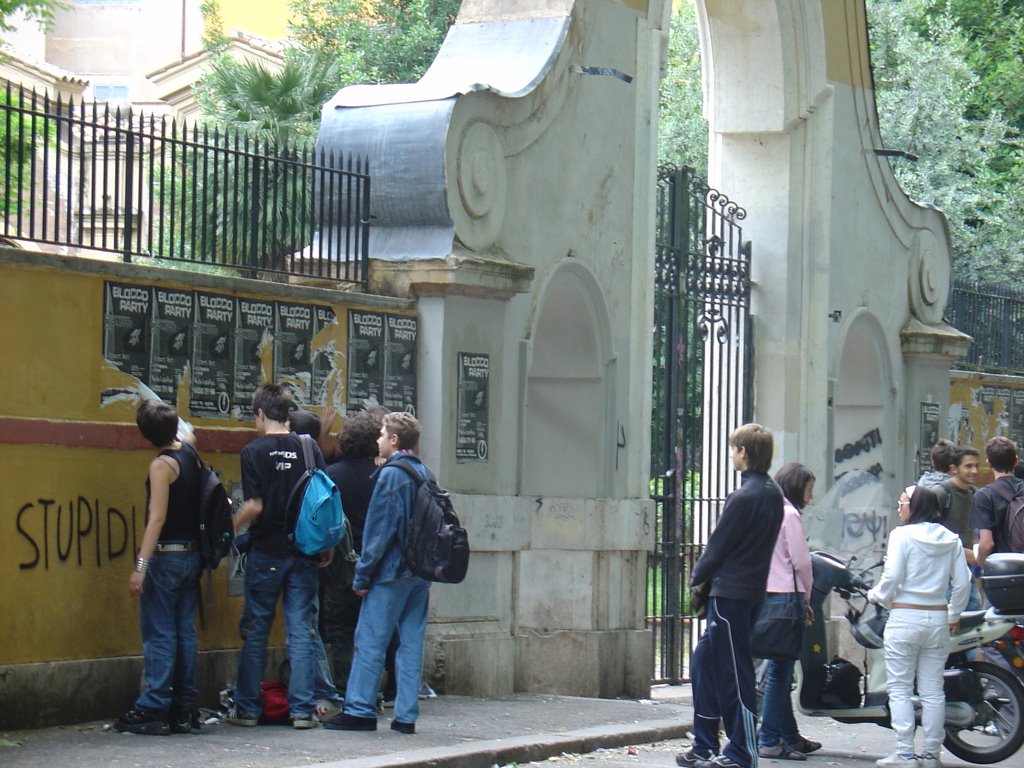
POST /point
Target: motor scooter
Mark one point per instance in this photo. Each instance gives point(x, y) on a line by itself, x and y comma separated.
point(984, 701)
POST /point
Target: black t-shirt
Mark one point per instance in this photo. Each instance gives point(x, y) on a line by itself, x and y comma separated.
point(989, 510)
point(271, 466)
point(355, 479)
point(182, 521)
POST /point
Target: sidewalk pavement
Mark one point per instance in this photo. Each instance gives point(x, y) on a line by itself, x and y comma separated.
point(452, 732)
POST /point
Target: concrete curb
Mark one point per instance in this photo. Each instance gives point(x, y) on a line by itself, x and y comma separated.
point(523, 749)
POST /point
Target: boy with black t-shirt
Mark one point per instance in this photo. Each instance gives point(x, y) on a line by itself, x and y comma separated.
point(988, 510)
point(271, 466)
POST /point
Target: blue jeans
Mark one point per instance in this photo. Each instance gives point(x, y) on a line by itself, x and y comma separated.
point(167, 610)
point(323, 683)
point(777, 720)
point(266, 577)
point(400, 604)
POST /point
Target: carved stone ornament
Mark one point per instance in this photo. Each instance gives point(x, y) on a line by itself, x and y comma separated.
point(929, 279)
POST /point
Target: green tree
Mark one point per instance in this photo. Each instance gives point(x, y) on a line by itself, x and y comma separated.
point(377, 41)
point(968, 163)
point(682, 129)
point(40, 11)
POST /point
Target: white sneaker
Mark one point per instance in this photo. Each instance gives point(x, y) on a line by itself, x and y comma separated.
point(930, 760)
point(896, 760)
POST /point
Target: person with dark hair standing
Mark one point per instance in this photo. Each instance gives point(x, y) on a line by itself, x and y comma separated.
point(165, 580)
point(988, 510)
point(736, 562)
point(941, 456)
point(325, 690)
point(789, 580)
point(923, 559)
point(271, 466)
point(354, 475)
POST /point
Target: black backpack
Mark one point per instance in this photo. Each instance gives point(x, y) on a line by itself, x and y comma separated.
point(1013, 521)
point(436, 547)
point(216, 528)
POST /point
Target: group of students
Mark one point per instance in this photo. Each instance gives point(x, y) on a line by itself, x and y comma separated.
point(758, 553)
point(384, 605)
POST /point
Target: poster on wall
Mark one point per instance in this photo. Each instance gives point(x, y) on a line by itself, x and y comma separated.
point(126, 328)
point(930, 413)
point(472, 421)
point(400, 364)
point(365, 359)
point(172, 341)
point(212, 367)
point(293, 340)
point(254, 330)
point(323, 356)
point(1017, 418)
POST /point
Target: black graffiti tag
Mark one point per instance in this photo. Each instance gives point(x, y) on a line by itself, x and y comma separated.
point(79, 530)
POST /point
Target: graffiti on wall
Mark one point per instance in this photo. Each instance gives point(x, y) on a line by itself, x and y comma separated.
point(77, 531)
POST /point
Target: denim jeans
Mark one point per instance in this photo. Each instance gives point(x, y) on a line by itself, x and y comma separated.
point(777, 721)
point(916, 647)
point(167, 610)
point(266, 577)
point(323, 682)
point(401, 603)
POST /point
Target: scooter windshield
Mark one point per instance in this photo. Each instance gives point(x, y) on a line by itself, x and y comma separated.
point(852, 520)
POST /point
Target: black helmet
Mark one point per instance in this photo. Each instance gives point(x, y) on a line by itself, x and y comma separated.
point(868, 631)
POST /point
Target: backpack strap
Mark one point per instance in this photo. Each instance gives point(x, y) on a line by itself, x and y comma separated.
point(406, 467)
point(1006, 493)
point(310, 462)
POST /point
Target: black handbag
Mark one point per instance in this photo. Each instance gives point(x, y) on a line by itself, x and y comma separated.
point(779, 631)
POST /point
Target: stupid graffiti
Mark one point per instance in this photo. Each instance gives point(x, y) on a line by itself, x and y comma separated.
point(76, 531)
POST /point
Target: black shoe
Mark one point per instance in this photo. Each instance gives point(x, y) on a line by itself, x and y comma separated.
point(689, 759)
point(719, 761)
point(185, 721)
point(398, 725)
point(344, 722)
point(143, 723)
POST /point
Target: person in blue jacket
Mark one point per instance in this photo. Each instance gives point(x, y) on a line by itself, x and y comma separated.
point(393, 598)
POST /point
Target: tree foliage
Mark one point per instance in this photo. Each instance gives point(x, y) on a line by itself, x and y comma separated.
point(40, 11)
point(377, 41)
point(931, 103)
point(682, 129)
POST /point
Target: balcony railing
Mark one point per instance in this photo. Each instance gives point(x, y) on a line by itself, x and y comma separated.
point(87, 177)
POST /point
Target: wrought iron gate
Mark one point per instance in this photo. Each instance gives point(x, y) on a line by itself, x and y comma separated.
point(702, 391)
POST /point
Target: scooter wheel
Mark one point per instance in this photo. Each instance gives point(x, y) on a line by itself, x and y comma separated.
point(998, 730)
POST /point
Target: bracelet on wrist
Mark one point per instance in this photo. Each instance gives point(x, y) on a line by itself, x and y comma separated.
point(141, 564)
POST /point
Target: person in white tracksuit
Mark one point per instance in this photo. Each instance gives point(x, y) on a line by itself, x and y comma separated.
point(922, 560)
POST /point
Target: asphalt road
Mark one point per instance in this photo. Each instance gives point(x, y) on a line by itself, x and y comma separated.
point(845, 746)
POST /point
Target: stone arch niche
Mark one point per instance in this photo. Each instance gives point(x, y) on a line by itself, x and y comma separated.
point(568, 390)
point(862, 403)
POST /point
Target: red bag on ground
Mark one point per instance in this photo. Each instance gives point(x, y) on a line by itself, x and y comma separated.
point(275, 702)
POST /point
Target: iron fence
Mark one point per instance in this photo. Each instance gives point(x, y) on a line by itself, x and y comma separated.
point(993, 315)
point(702, 390)
point(85, 176)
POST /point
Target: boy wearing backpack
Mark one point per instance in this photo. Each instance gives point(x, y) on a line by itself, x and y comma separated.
point(991, 502)
point(393, 598)
point(271, 466)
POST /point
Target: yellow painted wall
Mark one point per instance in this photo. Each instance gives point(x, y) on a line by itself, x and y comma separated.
point(983, 406)
point(72, 512)
point(266, 18)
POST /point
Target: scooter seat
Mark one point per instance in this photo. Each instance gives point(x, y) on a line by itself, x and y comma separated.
point(972, 619)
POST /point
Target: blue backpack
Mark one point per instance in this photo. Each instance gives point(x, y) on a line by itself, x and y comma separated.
point(315, 506)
